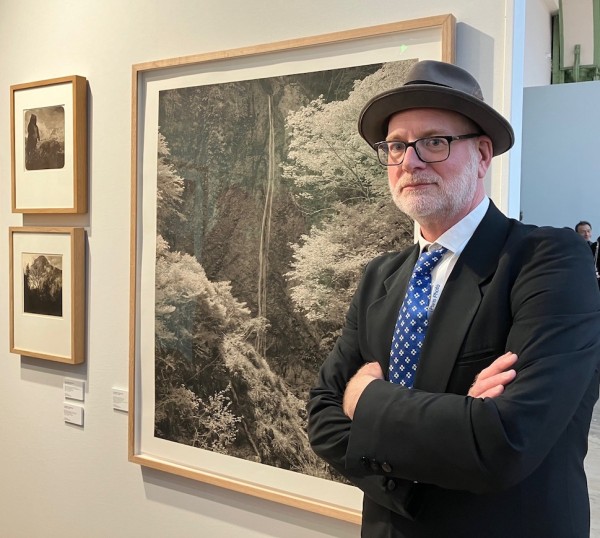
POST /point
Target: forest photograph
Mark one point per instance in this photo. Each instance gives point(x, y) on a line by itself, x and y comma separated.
point(269, 206)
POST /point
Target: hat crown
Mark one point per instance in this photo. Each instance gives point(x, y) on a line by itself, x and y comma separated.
point(444, 74)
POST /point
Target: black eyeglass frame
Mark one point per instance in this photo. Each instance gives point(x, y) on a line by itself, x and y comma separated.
point(413, 145)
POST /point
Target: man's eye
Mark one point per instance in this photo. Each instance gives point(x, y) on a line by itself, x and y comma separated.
point(435, 143)
point(396, 147)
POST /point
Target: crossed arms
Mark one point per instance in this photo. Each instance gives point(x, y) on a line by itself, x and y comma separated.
point(489, 383)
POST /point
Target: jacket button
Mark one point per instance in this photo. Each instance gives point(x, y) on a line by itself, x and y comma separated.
point(375, 467)
point(386, 467)
point(390, 485)
point(365, 462)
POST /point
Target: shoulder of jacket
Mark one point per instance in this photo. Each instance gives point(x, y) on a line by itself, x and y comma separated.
point(388, 262)
point(546, 238)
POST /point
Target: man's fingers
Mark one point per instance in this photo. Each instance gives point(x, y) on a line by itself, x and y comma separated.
point(499, 373)
point(501, 364)
point(482, 385)
point(373, 369)
point(494, 392)
point(357, 384)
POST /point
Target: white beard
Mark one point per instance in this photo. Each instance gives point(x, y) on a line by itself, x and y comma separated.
point(444, 201)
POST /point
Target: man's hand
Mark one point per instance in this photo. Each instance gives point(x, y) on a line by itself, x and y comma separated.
point(367, 373)
point(490, 382)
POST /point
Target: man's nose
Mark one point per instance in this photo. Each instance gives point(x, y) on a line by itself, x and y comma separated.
point(411, 160)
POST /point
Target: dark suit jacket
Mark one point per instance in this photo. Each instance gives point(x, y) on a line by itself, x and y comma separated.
point(594, 248)
point(434, 462)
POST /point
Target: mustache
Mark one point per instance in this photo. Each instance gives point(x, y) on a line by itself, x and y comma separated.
point(418, 179)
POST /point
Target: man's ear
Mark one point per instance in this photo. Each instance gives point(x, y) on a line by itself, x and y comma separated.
point(486, 152)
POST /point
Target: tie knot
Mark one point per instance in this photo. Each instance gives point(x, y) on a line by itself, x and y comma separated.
point(428, 260)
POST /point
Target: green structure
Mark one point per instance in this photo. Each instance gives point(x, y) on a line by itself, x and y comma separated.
point(567, 68)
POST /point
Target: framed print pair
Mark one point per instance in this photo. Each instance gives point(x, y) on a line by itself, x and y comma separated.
point(48, 121)
point(49, 146)
point(47, 293)
point(253, 209)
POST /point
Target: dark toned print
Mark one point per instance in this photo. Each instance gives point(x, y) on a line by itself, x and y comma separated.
point(45, 138)
point(42, 284)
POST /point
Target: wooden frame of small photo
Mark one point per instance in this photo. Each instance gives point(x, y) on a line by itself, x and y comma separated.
point(47, 293)
point(48, 122)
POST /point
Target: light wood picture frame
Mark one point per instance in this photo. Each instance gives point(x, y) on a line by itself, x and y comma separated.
point(153, 158)
point(47, 293)
point(48, 120)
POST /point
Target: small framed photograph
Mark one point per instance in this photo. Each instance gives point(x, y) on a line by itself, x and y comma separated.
point(49, 146)
point(47, 293)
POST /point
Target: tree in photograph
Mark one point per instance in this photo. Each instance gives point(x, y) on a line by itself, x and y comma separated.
point(192, 314)
point(169, 190)
point(339, 183)
point(328, 263)
point(327, 160)
point(209, 424)
point(274, 420)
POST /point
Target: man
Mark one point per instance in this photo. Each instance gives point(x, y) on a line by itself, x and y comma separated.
point(485, 435)
point(584, 229)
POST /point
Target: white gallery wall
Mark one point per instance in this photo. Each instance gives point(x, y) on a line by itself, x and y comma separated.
point(64, 481)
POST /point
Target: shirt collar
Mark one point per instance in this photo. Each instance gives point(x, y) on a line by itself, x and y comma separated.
point(455, 238)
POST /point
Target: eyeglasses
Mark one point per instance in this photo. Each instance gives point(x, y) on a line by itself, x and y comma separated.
point(432, 149)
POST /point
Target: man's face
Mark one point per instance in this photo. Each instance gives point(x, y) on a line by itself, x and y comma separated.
point(585, 231)
point(444, 192)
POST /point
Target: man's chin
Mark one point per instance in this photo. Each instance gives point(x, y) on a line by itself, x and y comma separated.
point(416, 213)
point(415, 207)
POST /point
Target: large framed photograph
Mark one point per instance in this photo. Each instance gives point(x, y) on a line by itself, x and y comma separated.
point(255, 207)
point(48, 122)
point(47, 293)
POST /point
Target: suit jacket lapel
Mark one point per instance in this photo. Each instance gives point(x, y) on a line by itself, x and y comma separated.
point(459, 301)
point(383, 312)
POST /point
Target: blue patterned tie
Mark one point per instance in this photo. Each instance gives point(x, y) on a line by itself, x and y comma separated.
point(411, 326)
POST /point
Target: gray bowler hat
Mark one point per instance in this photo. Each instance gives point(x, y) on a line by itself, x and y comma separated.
point(432, 84)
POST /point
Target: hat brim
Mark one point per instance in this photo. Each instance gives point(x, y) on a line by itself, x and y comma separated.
point(374, 118)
